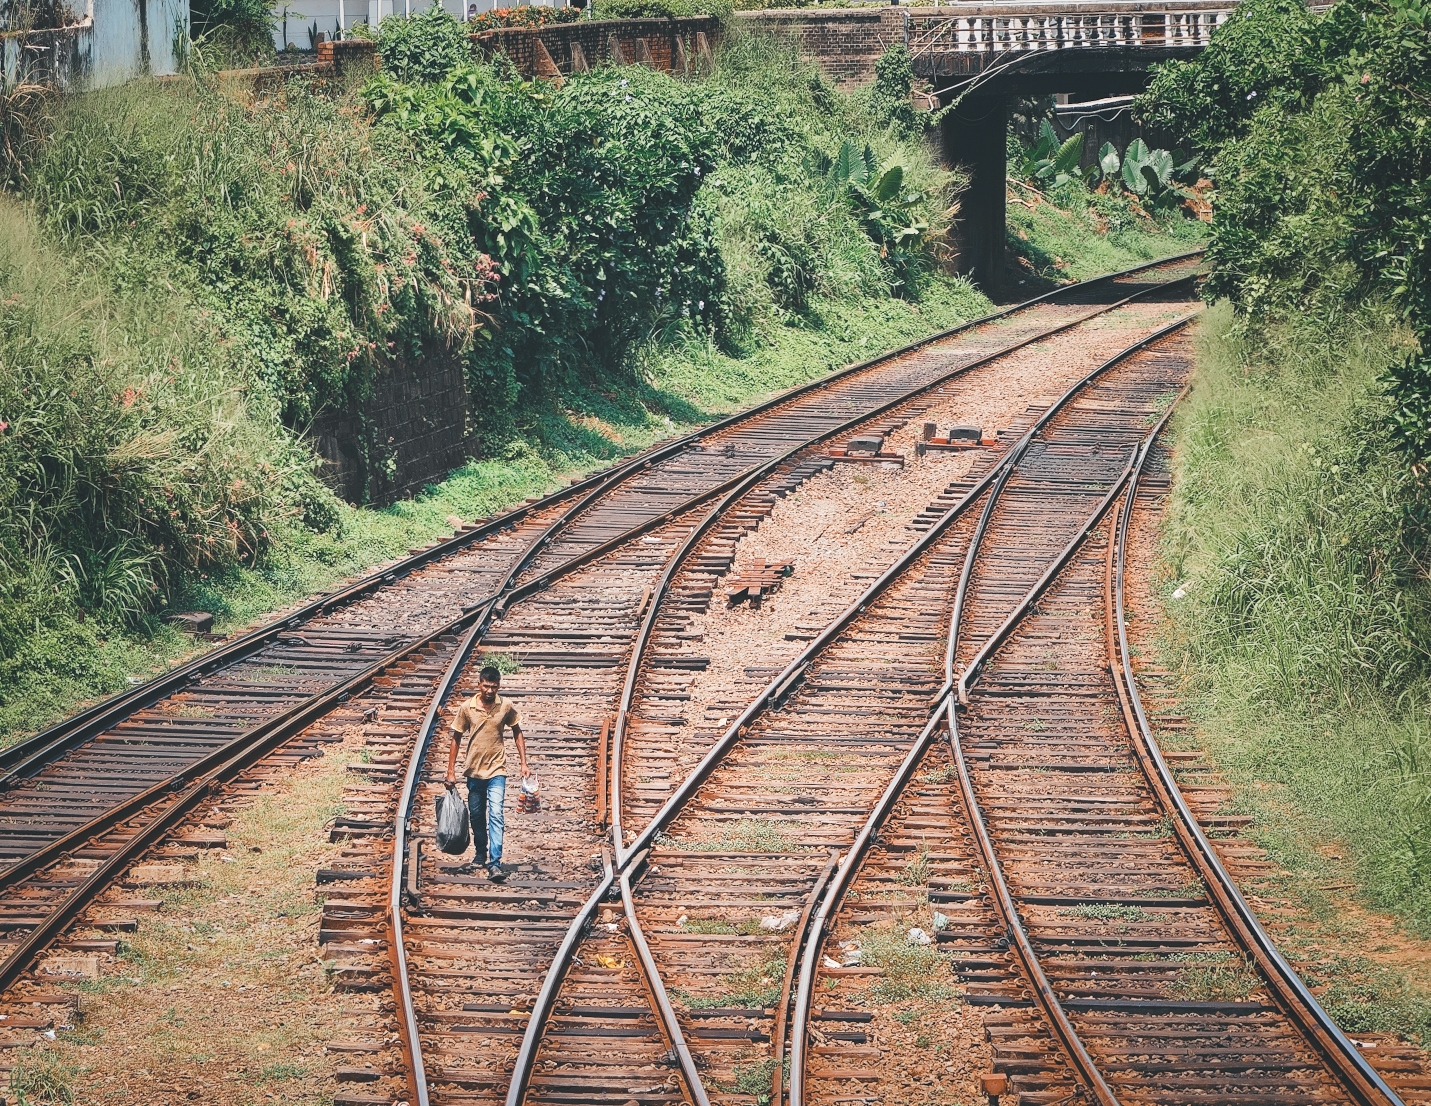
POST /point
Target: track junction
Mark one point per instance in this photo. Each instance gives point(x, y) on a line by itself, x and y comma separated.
point(954, 735)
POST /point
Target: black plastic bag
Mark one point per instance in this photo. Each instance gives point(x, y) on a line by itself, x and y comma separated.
point(454, 831)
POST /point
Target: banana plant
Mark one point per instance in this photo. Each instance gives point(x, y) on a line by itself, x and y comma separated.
point(1050, 162)
point(887, 208)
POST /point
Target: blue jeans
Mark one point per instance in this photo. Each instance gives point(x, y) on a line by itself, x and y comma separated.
point(484, 804)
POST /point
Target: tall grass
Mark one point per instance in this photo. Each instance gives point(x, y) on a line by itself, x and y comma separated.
point(1071, 233)
point(132, 454)
point(300, 229)
point(785, 235)
point(1297, 538)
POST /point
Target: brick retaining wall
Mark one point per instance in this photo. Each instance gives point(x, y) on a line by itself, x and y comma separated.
point(594, 38)
point(417, 427)
point(845, 43)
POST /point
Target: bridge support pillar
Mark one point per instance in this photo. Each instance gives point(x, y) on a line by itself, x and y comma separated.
point(975, 136)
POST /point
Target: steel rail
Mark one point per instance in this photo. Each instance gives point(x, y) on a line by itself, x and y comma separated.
point(26, 755)
point(787, 679)
point(997, 638)
point(848, 864)
point(659, 998)
point(1342, 1057)
point(507, 592)
point(228, 760)
point(402, 988)
point(945, 699)
point(397, 953)
point(792, 967)
point(778, 687)
point(221, 764)
point(834, 893)
point(203, 784)
point(301, 714)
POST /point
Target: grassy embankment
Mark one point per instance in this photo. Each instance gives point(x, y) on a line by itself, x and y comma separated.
point(1299, 635)
point(1072, 233)
point(1298, 534)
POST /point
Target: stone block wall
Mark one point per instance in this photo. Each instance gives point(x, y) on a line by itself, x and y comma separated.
point(412, 431)
point(594, 37)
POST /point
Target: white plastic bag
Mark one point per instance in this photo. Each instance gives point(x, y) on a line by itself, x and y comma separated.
point(454, 831)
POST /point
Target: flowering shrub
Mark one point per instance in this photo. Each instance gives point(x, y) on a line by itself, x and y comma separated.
point(528, 15)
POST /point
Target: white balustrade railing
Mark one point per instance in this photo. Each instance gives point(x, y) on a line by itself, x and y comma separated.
point(1079, 28)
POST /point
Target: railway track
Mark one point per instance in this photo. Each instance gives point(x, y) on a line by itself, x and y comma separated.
point(112, 779)
point(1063, 878)
point(470, 961)
point(604, 1026)
point(800, 771)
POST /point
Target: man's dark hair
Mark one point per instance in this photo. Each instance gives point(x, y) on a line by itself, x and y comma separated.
point(492, 674)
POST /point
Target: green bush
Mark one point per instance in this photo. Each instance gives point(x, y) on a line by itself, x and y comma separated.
point(1267, 51)
point(232, 32)
point(135, 455)
point(661, 9)
point(888, 99)
point(791, 226)
point(586, 199)
point(425, 47)
point(125, 456)
point(629, 204)
point(1322, 158)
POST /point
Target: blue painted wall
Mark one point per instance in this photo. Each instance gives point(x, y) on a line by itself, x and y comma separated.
point(108, 43)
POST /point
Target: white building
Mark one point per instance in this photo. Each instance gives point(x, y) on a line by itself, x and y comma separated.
point(297, 21)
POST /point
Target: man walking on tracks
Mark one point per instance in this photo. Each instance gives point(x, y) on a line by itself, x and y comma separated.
point(480, 722)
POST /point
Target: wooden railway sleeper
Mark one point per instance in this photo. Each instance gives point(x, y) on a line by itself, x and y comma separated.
point(1017, 938)
point(693, 780)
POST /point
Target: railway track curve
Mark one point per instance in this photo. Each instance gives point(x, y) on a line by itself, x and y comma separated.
point(459, 939)
point(604, 986)
point(162, 747)
point(1085, 903)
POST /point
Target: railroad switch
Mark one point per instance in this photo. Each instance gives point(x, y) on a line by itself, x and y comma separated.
point(994, 1084)
point(865, 447)
point(958, 438)
point(198, 623)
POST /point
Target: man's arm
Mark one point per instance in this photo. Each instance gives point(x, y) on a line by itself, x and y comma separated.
point(521, 748)
point(452, 759)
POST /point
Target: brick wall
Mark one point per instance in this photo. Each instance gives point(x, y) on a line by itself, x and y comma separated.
point(350, 53)
point(336, 63)
point(845, 43)
point(594, 37)
point(416, 427)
